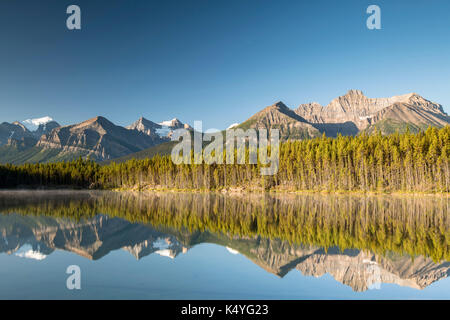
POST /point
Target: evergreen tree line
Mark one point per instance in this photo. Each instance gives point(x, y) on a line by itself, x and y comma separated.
point(397, 162)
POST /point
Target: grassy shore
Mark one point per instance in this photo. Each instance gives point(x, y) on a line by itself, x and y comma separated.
point(240, 190)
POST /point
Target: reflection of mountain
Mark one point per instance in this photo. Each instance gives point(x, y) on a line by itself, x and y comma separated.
point(359, 269)
point(92, 239)
point(96, 237)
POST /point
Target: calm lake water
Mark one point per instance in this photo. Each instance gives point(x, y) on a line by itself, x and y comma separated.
point(210, 246)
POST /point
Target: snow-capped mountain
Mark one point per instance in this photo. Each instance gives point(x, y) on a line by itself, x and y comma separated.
point(233, 126)
point(40, 126)
point(33, 124)
point(175, 124)
point(168, 126)
point(163, 129)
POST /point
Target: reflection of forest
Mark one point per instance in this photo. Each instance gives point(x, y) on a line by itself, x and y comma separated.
point(170, 224)
point(403, 225)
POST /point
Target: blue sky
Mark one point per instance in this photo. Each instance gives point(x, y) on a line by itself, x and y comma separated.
point(216, 61)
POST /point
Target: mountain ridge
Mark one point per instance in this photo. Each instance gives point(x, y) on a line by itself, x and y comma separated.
point(354, 107)
point(279, 116)
point(100, 139)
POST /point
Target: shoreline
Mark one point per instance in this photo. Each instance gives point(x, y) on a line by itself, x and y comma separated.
point(231, 192)
point(243, 191)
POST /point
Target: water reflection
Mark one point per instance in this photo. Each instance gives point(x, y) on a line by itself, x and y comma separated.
point(360, 241)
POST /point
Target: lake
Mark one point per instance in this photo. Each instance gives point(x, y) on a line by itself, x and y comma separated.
point(214, 246)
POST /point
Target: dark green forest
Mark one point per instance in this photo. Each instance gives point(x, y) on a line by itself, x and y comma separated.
point(369, 163)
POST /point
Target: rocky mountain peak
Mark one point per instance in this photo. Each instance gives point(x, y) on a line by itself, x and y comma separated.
point(45, 128)
point(14, 130)
point(17, 123)
point(354, 93)
point(97, 137)
point(279, 105)
point(102, 120)
point(145, 126)
point(175, 123)
point(417, 100)
point(291, 125)
point(352, 100)
point(147, 122)
point(97, 123)
point(355, 109)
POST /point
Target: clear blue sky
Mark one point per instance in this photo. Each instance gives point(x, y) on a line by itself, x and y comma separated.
point(216, 61)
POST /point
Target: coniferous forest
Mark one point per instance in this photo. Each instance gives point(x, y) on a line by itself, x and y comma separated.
point(368, 163)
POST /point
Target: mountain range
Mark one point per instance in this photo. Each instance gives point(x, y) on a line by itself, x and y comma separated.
point(101, 140)
point(354, 112)
point(350, 114)
point(96, 138)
